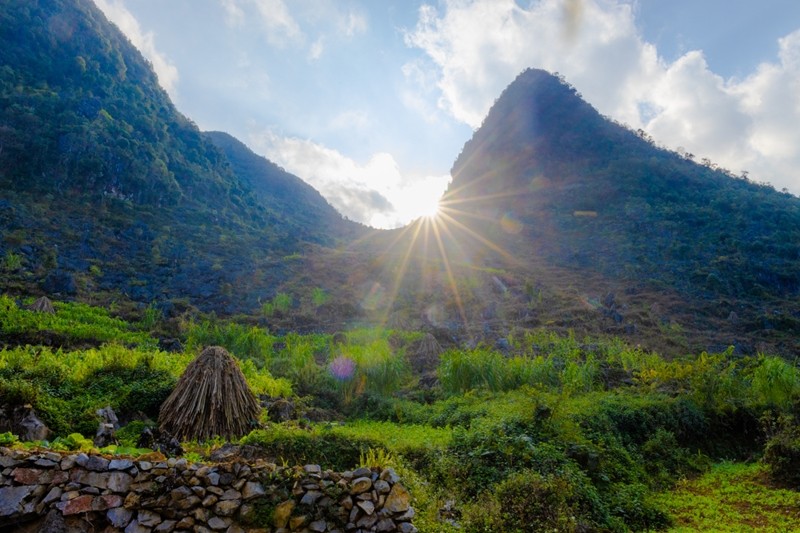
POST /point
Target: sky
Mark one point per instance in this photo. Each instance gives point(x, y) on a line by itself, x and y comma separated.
point(371, 101)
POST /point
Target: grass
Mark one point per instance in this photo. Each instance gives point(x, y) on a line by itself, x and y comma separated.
point(72, 321)
point(735, 497)
point(591, 428)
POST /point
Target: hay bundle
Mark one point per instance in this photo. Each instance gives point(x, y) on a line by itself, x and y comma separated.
point(211, 398)
point(424, 354)
point(42, 305)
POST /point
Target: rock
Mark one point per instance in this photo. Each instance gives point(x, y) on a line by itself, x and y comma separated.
point(52, 496)
point(225, 453)
point(282, 513)
point(218, 524)
point(406, 527)
point(166, 526)
point(227, 507)
point(187, 522)
point(135, 527)
point(310, 497)
point(120, 464)
point(106, 501)
point(398, 499)
point(119, 516)
point(390, 475)
point(149, 518)
point(252, 490)
point(109, 424)
point(29, 426)
point(231, 494)
point(119, 481)
point(53, 523)
point(367, 506)
point(382, 486)
point(362, 472)
point(12, 497)
point(81, 504)
point(385, 525)
point(296, 522)
point(318, 526)
point(361, 484)
point(367, 521)
point(96, 463)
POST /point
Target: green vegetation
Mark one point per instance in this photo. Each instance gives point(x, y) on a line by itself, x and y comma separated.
point(559, 433)
point(72, 322)
point(732, 497)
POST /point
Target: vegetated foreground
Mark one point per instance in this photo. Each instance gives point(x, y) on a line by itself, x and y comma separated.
point(541, 432)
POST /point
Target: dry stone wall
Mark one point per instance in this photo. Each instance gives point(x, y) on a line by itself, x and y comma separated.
point(58, 492)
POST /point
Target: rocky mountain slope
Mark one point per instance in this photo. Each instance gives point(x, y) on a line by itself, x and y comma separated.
point(109, 192)
point(556, 216)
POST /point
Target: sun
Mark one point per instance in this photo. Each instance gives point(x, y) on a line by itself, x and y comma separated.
point(428, 207)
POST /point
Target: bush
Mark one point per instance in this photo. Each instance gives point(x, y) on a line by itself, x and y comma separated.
point(782, 451)
point(528, 501)
point(293, 445)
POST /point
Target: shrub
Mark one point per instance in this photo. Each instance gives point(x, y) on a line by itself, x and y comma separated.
point(782, 451)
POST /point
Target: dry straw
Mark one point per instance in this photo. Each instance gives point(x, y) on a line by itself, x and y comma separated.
point(211, 399)
point(42, 305)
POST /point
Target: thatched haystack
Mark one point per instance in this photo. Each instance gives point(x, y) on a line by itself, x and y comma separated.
point(211, 399)
point(43, 305)
point(424, 354)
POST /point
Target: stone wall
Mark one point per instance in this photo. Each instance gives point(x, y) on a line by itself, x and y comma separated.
point(58, 492)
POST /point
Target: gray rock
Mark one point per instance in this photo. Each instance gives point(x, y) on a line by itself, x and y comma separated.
point(218, 524)
point(385, 525)
point(119, 516)
point(166, 526)
point(367, 506)
point(362, 472)
point(97, 463)
point(12, 497)
point(361, 484)
point(313, 469)
point(135, 527)
point(52, 496)
point(149, 518)
point(406, 527)
point(310, 497)
point(119, 481)
point(120, 464)
point(252, 490)
point(227, 507)
point(318, 526)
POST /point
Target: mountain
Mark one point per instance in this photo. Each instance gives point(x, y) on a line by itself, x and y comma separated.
point(109, 193)
point(556, 216)
point(548, 180)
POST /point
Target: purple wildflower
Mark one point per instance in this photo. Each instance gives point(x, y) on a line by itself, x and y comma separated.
point(342, 368)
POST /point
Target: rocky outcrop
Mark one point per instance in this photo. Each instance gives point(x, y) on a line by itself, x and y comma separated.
point(80, 492)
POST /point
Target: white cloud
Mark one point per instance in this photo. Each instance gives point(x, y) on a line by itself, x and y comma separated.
point(279, 23)
point(474, 49)
point(234, 14)
point(353, 24)
point(362, 191)
point(166, 71)
point(315, 52)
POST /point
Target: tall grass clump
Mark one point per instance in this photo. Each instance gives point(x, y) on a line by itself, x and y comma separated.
point(245, 342)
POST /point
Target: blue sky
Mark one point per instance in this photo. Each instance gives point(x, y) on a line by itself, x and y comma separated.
point(370, 101)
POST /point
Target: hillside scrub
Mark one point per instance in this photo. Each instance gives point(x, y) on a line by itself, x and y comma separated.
point(594, 431)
